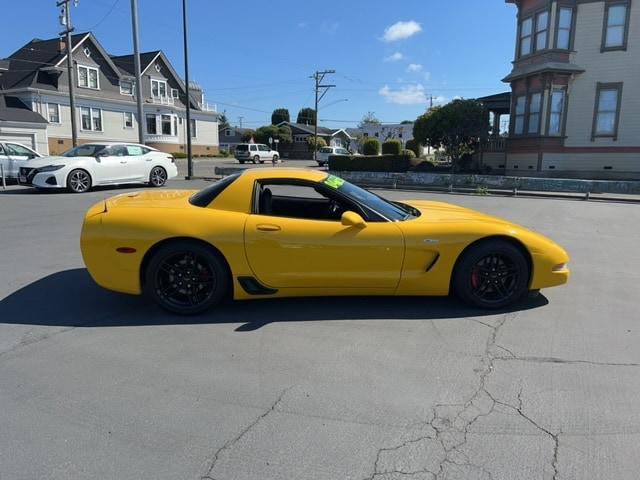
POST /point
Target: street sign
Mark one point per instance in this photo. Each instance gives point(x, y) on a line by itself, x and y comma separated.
point(270, 140)
point(277, 141)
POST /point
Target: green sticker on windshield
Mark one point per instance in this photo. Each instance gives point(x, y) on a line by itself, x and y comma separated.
point(333, 181)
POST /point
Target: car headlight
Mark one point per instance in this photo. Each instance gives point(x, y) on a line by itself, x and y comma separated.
point(50, 168)
point(560, 267)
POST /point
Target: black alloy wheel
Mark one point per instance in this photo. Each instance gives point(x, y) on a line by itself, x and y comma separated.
point(186, 278)
point(157, 177)
point(492, 274)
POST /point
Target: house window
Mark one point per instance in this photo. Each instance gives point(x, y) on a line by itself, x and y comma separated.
point(194, 130)
point(616, 26)
point(126, 87)
point(227, 133)
point(158, 88)
point(607, 111)
point(518, 127)
point(535, 104)
point(165, 121)
point(542, 30)
point(53, 111)
point(556, 110)
point(87, 52)
point(526, 32)
point(152, 128)
point(174, 93)
point(128, 119)
point(565, 22)
point(88, 77)
point(299, 138)
point(91, 119)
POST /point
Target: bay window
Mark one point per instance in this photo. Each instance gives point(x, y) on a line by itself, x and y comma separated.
point(526, 32)
point(565, 26)
point(518, 127)
point(556, 111)
point(542, 30)
point(535, 105)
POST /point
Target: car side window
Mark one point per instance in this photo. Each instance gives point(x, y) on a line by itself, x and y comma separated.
point(118, 151)
point(15, 149)
point(263, 148)
point(302, 201)
point(2, 150)
point(136, 150)
point(253, 148)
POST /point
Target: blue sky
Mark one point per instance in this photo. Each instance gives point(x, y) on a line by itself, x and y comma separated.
point(254, 56)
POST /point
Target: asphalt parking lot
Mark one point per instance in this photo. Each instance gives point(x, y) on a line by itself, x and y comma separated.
point(97, 385)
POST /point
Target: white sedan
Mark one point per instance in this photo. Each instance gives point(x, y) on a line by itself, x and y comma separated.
point(14, 155)
point(93, 164)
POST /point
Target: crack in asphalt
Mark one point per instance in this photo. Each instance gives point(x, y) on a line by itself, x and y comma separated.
point(243, 432)
point(562, 361)
point(25, 341)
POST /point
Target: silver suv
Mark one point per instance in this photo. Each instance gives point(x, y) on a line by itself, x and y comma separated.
point(256, 153)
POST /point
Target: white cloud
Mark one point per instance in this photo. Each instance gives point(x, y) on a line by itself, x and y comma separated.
point(396, 57)
point(414, 67)
point(401, 31)
point(409, 95)
point(440, 100)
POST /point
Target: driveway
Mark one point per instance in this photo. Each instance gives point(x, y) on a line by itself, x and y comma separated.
point(97, 385)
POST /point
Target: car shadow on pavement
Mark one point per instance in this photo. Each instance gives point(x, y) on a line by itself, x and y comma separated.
point(72, 299)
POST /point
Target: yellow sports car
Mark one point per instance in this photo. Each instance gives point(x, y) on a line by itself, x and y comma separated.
point(291, 232)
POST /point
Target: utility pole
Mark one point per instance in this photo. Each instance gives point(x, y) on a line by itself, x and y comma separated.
point(136, 64)
point(430, 101)
point(65, 21)
point(319, 77)
point(240, 120)
point(186, 79)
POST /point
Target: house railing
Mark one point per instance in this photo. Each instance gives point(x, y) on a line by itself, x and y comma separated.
point(163, 100)
point(160, 138)
point(495, 144)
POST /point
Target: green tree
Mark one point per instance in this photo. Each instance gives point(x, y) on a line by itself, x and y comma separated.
point(371, 146)
point(414, 146)
point(311, 142)
point(369, 118)
point(223, 123)
point(458, 127)
point(247, 135)
point(282, 133)
point(307, 116)
point(280, 115)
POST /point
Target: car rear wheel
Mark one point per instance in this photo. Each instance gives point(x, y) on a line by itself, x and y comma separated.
point(241, 162)
point(157, 177)
point(275, 159)
point(78, 181)
point(256, 159)
point(492, 274)
point(186, 278)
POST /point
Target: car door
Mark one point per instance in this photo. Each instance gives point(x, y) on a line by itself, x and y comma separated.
point(265, 152)
point(139, 162)
point(304, 251)
point(253, 150)
point(112, 165)
point(17, 156)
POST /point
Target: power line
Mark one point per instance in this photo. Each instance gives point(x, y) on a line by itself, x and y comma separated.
point(106, 15)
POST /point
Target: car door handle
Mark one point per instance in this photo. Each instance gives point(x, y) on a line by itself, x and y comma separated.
point(268, 227)
point(123, 161)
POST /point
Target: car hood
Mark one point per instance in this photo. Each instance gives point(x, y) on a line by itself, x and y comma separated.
point(441, 212)
point(56, 160)
point(151, 199)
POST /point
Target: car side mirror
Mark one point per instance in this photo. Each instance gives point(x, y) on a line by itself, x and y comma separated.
point(352, 219)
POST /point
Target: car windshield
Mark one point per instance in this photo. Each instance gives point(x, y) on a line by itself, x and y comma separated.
point(394, 211)
point(326, 150)
point(88, 150)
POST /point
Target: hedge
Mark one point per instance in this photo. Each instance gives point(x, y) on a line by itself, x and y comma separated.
point(391, 147)
point(371, 146)
point(369, 163)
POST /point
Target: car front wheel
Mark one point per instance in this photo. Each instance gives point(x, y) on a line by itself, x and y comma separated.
point(256, 159)
point(78, 181)
point(157, 177)
point(186, 278)
point(491, 274)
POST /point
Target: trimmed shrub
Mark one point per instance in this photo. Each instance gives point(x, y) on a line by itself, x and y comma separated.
point(408, 153)
point(414, 146)
point(179, 155)
point(369, 163)
point(371, 146)
point(391, 147)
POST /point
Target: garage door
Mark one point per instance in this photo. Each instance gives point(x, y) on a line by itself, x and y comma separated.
point(26, 139)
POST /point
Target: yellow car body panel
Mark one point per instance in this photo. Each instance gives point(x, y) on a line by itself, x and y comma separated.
point(298, 257)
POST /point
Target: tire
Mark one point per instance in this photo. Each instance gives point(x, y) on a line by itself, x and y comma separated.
point(275, 159)
point(175, 264)
point(78, 181)
point(256, 159)
point(321, 164)
point(157, 177)
point(241, 162)
point(492, 274)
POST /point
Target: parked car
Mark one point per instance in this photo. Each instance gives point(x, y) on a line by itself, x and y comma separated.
point(13, 155)
point(324, 152)
point(274, 232)
point(92, 164)
point(256, 153)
